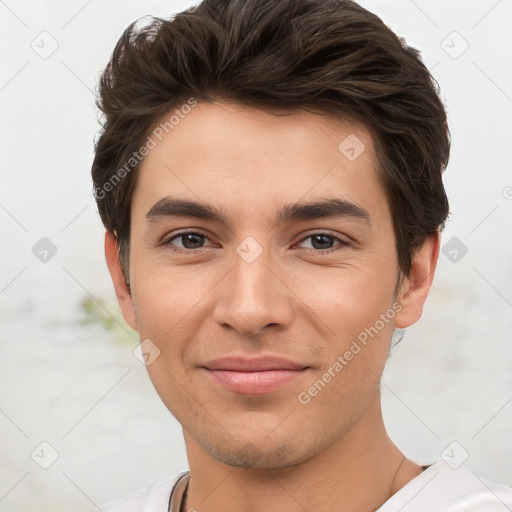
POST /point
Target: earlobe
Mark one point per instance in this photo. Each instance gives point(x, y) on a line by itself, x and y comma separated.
point(123, 292)
point(415, 288)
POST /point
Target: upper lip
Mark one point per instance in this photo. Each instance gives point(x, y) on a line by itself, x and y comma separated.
point(255, 364)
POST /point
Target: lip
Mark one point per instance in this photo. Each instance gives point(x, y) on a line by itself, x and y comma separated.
point(254, 375)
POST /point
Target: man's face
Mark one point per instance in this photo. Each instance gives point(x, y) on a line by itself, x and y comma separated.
point(253, 286)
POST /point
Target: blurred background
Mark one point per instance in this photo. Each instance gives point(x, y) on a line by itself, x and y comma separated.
point(80, 423)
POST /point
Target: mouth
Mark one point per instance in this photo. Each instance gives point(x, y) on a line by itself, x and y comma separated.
point(254, 376)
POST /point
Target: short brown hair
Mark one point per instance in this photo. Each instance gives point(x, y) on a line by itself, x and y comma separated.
point(328, 56)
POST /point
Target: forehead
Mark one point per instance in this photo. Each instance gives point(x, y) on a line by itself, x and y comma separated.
point(250, 159)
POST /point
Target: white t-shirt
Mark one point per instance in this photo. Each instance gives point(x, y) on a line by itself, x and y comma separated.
point(439, 488)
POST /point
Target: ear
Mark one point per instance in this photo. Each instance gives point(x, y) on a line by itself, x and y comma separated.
point(414, 289)
point(123, 293)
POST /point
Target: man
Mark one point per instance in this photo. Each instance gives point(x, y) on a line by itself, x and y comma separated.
point(270, 177)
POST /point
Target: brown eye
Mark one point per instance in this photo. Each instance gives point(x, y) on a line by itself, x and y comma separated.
point(325, 242)
point(188, 240)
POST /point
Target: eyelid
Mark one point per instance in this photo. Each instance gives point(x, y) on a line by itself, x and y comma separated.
point(185, 231)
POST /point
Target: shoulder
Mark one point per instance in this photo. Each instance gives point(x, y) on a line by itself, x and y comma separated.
point(440, 487)
point(154, 499)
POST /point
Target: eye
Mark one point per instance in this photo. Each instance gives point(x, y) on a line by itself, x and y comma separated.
point(190, 240)
point(323, 242)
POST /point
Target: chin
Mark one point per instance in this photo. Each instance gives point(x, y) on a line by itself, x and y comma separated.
point(258, 455)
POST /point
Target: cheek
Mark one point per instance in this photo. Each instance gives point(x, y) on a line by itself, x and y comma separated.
point(164, 296)
point(357, 306)
point(346, 299)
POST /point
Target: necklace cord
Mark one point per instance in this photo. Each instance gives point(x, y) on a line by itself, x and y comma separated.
point(184, 497)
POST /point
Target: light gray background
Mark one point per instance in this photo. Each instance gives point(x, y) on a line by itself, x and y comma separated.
point(80, 388)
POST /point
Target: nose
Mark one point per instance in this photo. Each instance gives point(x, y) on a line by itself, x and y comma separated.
point(253, 296)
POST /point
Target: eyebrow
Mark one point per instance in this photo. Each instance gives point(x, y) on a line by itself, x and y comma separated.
point(322, 209)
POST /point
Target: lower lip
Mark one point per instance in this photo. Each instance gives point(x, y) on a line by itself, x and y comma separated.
point(255, 382)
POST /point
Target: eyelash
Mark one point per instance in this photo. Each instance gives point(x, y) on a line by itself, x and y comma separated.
point(342, 242)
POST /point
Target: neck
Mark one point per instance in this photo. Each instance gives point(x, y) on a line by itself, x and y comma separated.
point(361, 470)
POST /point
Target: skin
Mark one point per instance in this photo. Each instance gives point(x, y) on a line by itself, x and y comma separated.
point(265, 452)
